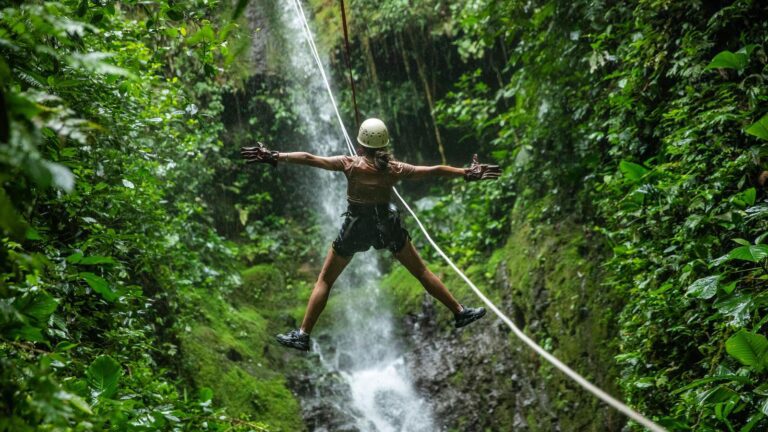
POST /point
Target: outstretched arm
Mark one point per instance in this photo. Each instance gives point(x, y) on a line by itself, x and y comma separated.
point(260, 153)
point(304, 158)
point(476, 171)
point(421, 172)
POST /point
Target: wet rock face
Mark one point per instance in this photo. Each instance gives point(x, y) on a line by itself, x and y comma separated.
point(259, 23)
point(482, 377)
point(472, 383)
point(322, 394)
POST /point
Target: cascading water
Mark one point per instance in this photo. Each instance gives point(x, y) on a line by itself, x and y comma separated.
point(360, 345)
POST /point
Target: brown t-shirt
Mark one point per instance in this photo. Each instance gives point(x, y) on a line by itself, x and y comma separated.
point(366, 184)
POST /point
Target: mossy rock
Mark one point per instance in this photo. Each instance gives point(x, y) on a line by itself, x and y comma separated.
point(268, 400)
point(553, 284)
point(260, 283)
point(225, 351)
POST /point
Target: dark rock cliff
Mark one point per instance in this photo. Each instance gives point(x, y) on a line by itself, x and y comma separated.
point(484, 378)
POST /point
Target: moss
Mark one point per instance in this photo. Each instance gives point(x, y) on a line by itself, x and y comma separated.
point(259, 282)
point(405, 289)
point(268, 399)
point(555, 286)
point(406, 294)
point(228, 350)
point(241, 379)
point(280, 300)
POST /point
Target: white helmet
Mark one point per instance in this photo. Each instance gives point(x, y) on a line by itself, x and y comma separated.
point(373, 134)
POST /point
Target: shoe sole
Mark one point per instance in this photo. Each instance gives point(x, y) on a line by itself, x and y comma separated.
point(290, 345)
point(477, 317)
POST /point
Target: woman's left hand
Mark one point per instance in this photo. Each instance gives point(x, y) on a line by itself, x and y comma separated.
point(259, 153)
point(478, 171)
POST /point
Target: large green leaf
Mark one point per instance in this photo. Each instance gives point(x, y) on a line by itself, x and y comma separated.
point(37, 305)
point(711, 379)
point(704, 288)
point(27, 332)
point(22, 105)
point(759, 128)
point(100, 285)
point(205, 394)
point(47, 174)
point(737, 307)
point(717, 395)
point(632, 171)
point(103, 375)
point(728, 60)
point(745, 198)
point(748, 348)
point(751, 253)
point(753, 421)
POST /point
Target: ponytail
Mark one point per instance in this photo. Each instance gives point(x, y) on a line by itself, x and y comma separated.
point(381, 158)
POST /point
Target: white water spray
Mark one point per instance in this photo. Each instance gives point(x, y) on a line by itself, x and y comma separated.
point(361, 346)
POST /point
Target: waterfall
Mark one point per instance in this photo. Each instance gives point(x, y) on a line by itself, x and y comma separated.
point(358, 341)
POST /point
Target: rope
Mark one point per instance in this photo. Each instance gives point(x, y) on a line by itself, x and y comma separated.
point(311, 41)
point(575, 376)
point(348, 58)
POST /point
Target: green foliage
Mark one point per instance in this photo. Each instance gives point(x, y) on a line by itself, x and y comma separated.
point(665, 225)
point(112, 167)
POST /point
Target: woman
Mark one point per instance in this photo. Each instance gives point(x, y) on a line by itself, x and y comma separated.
point(370, 218)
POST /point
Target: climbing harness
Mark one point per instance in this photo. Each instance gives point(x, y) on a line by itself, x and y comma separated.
point(575, 376)
point(370, 225)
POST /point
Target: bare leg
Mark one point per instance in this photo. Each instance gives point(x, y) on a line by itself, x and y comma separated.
point(332, 267)
point(409, 257)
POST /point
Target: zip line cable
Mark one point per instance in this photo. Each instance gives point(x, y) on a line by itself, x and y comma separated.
point(575, 376)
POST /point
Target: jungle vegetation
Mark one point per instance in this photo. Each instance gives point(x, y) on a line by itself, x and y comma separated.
point(129, 230)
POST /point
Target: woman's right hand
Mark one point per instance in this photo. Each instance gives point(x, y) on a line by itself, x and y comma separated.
point(260, 153)
point(478, 171)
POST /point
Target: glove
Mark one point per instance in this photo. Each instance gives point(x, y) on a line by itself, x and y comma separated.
point(260, 153)
point(478, 171)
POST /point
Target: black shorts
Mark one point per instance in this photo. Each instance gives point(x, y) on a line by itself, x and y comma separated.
point(364, 226)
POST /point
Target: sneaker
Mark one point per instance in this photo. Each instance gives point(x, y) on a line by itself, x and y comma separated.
point(468, 315)
point(294, 339)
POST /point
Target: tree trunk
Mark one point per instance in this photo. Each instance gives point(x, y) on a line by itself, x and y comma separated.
point(421, 68)
point(366, 44)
